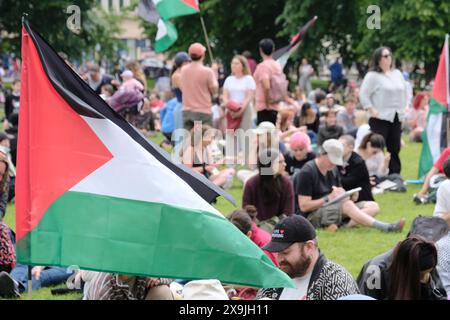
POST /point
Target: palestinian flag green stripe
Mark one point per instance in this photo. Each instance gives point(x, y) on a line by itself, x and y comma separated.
point(166, 36)
point(174, 8)
point(145, 238)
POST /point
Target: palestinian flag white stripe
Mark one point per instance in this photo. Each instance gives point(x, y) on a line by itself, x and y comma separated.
point(134, 173)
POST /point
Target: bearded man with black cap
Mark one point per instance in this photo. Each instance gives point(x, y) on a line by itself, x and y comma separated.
point(294, 239)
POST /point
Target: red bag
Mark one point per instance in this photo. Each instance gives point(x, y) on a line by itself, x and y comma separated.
point(233, 106)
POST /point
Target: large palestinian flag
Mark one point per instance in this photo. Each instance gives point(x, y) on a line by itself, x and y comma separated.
point(92, 192)
point(434, 136)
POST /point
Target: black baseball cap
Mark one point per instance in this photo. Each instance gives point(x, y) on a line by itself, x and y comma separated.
point(290, 230)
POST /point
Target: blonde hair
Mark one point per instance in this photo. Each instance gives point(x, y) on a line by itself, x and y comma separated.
point(244, 62)
point(361, 117)
point(138, 73)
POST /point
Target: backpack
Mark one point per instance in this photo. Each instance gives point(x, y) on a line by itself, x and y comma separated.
point(431, 228)
point(278, 87)
point(123, 100)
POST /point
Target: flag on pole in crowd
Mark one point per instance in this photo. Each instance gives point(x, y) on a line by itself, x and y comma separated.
point(282, 55)
point(92, 192)
point(435, 134)
point(159, 12)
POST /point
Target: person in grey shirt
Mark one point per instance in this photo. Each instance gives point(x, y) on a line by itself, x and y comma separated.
point(384, 93)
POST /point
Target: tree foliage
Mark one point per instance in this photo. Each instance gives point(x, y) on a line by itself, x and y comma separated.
point(232, 25)
point(49, 18)
point(413, 29)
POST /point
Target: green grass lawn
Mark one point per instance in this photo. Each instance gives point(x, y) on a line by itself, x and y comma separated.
point(350, 248)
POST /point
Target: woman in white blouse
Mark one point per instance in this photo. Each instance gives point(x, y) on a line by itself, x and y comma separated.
point(384, 93)
point(240, 88)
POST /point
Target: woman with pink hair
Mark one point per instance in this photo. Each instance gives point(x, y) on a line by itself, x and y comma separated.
point(300, 152)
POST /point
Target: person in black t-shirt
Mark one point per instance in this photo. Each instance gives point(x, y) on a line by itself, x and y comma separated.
point(318, 183)
point(300, 152)
point(354, 174)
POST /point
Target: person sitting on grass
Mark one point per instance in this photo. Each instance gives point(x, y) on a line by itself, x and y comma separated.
point(354, 174)
point(374, 278)
point(413, 260)
point(271, 190)
point(16, 282)
point(300, 153)
point(244, 220)
point(195, 155)
point(329, 130)
point(434, 175)
point(110, 286)
point(443, 266)
point(318, 183)
point(442, 208)
point(299, 256)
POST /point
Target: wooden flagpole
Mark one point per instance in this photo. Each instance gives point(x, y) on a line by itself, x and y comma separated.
point(206, 38)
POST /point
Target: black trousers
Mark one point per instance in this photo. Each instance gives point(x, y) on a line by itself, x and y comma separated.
point(266, 115)
point(392, 134)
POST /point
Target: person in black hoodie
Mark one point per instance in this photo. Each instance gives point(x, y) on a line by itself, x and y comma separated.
point(407, 271)
point(354, 172)
point(412, 262)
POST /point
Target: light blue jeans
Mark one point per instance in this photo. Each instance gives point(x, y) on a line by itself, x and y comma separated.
point(50, 276)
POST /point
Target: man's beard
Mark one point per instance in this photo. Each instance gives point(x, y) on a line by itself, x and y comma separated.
point(299, 269)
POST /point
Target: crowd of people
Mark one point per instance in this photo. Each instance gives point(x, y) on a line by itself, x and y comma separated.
point(307, 159)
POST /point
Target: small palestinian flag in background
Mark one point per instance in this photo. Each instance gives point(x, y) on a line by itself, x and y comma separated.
point(92, 192)
point(435, 136)
point(282, 55)
point(159, 12)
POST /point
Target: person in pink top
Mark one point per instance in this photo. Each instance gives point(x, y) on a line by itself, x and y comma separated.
point(266, 111)
point(129, 82)
point(245, 220)
point(199, 86)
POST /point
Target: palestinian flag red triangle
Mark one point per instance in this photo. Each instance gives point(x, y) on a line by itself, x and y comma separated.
point(94, 193)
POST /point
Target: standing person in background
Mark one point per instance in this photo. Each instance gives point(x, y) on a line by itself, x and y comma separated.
point(240, 87)
point(181, 59)
point(266, 109)
point(251, 62)
point(384, 94)
point(199, 86)
point(336, 74)
point(305, 72)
